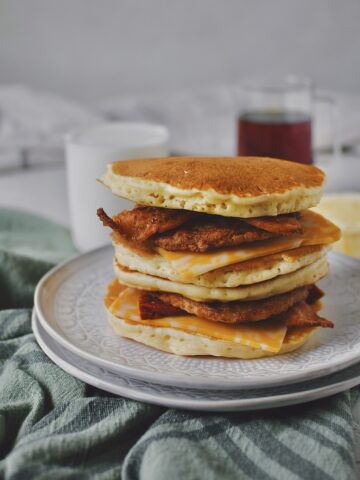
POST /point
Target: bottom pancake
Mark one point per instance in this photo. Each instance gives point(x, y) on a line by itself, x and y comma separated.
point(183, 343)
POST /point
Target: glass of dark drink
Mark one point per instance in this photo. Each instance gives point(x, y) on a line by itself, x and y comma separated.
point(275, 120)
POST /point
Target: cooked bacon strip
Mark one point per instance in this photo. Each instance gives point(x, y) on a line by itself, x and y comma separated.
point(141, 223)
point(231, 312)
point(315, 293)
point(302, 315)
point(209, 234)
point(150, 307)
point(282, 224)
point(106, 220)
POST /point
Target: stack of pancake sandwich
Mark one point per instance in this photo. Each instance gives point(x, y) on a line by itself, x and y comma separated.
point(220, 256)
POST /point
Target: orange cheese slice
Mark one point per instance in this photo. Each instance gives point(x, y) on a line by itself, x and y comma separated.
point(317, 230)
point(268, 337)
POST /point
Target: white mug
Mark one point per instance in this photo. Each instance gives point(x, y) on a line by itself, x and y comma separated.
point(88, 151)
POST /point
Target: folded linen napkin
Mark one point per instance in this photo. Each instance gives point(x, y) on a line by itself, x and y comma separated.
point(54, 426)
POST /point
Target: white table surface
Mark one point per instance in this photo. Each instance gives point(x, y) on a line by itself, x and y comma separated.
point(43, 191)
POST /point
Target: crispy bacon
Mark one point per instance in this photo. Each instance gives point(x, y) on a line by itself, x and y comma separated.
point(302, 315)
point(106, 220)
point(282, 224)
point(150, 307)
point(315, 293)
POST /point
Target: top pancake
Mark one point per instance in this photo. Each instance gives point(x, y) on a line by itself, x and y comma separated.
point(229, 186)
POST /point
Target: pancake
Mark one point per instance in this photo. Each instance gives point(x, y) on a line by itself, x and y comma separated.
point(228, 186)
point(183, 343)
point(316, 230)
point(281, 284)
point(242, 273)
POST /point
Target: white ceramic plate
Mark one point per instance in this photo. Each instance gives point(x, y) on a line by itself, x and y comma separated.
point(68, 303)
point(191, 398)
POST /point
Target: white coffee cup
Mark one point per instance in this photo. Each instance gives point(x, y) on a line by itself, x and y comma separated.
point(88, 151)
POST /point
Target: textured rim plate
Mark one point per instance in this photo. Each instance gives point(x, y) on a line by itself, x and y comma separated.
point(69, 305)
point(193, 399)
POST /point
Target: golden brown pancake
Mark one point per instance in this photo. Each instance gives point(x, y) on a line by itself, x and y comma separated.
point(241, 176)
point(257, 291)
point(244, 187)
point(133, 256)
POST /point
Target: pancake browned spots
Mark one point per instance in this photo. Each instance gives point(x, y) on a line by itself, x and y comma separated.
point(241, 176)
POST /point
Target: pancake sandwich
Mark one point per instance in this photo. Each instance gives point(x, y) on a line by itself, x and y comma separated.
point(219, 256)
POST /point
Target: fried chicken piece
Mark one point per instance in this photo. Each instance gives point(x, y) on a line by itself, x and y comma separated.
point(281, 224)
point(209, 234)
point(150, 307)
point(302, 315)
point(292, 307)
point(230, 312)
point(182, 230)
point(141, 223)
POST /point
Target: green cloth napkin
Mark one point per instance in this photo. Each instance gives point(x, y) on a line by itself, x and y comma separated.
point(53, 426)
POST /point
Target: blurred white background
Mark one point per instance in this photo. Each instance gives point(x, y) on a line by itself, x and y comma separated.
point(70, 63)
point(91, 49)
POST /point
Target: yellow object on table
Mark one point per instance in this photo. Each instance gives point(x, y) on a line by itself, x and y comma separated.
point(344, 210)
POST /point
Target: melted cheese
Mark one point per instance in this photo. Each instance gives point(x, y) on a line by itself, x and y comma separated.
point(123, 303)
point(317, 230)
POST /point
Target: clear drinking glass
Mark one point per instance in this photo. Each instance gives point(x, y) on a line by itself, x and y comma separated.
point(275, 120)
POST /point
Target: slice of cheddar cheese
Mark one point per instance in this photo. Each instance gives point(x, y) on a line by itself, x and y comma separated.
point(123, 303)
point(317, 230)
